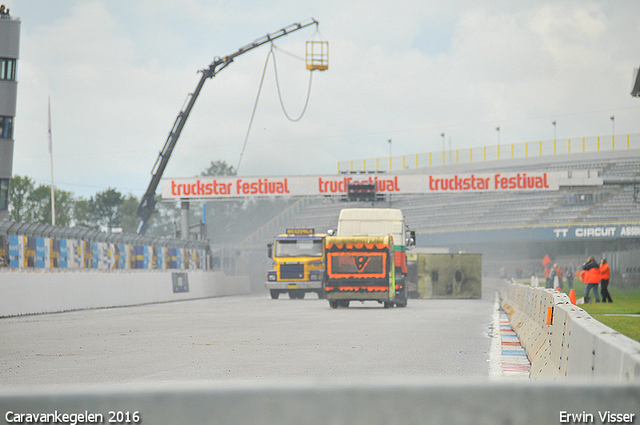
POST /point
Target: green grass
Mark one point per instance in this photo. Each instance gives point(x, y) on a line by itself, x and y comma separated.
point(625, 301)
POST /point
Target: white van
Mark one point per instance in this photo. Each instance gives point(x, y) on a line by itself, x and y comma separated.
point(379, 222)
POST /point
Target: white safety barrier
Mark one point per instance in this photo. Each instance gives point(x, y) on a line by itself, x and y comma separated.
point(391, 402)
point(50, 292)
point(564, 341)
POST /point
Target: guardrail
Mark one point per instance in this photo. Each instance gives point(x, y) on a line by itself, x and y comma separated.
point(563, 341)
point(394, 401)
point(493, 153)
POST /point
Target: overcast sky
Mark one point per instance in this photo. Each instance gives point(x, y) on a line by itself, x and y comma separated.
point(119, 71)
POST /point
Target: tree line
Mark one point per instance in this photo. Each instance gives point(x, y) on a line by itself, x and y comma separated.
point(106, 210)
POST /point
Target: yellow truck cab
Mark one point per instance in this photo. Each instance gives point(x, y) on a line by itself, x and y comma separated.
point(298, 264)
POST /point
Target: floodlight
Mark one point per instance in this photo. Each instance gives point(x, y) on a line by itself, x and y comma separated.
point(635, 91)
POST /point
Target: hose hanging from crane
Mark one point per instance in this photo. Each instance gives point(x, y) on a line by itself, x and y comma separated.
point(306, 103)
point(255, 105)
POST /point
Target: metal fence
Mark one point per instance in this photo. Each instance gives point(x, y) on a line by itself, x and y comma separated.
point(494, 153)
point(42, 246)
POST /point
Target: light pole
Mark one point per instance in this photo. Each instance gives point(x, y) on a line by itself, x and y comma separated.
point(554, 131)
point(444, 148)
point(390, 154)
point(613, 126)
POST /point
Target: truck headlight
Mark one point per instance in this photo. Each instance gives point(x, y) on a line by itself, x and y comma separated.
point(272, 276)
point(315, 276)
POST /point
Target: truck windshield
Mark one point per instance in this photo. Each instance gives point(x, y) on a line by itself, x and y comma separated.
point(299, 248)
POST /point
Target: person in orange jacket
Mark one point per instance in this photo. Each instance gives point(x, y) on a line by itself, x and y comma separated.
point(559, 274)
point(591, 276)
point(605, 274)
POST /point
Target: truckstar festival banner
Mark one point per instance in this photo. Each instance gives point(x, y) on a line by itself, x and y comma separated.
point(234, 187)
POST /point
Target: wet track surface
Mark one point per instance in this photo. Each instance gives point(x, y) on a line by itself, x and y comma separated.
point(249, 338)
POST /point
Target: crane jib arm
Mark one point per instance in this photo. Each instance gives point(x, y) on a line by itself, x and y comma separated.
point(147, 204)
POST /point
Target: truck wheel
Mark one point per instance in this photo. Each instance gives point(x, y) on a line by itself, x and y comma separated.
point(274, 294)
point(333, 303)
point(387, 304)
point(344, 303)
point(402, 299)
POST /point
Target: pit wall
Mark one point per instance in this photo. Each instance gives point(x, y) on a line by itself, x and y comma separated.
point(563, 341)
point(56, 291)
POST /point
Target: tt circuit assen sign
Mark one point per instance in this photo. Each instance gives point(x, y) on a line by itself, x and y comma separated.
point(233, 187)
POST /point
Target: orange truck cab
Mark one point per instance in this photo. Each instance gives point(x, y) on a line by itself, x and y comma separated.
point(362, 268)
point(373, 222)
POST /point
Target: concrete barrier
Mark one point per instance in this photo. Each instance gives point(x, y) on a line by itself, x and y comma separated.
point(563, 341)
point(390, 402)
point(50, 292)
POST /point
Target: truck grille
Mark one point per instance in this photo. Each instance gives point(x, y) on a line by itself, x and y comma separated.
point(292, 271)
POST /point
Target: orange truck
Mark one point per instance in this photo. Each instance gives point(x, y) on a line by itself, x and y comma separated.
point(362, 268)
point(366, 223)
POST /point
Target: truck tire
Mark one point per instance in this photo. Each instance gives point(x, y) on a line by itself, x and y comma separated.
point(274, 294)
point(333, 303)
point(402, 301)
point(402, 296)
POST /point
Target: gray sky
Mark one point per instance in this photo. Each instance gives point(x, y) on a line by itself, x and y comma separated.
point(118, 73)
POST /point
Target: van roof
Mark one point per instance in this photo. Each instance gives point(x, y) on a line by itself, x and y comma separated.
point(377, 214)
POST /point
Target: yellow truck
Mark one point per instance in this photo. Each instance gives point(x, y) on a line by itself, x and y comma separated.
point(298, 264)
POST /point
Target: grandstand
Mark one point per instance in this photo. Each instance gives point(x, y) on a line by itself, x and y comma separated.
point(519, 225)
point(450, 212)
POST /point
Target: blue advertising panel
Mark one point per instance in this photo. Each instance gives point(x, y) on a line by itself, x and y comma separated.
point(161, 254)
point(173, 258)
point(179, 258)
point(40, 254)
point(145, 250)
point(96, 256)
point(124, 249)
point(14, 251)
point(64, 254)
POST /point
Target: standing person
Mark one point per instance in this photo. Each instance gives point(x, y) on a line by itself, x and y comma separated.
point(560, 275)
point(552, 277)
point(605, 274)
point(591, 277)
point(548, 278)
point(569, 273)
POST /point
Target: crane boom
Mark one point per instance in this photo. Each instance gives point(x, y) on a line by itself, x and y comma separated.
point(146, 209)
